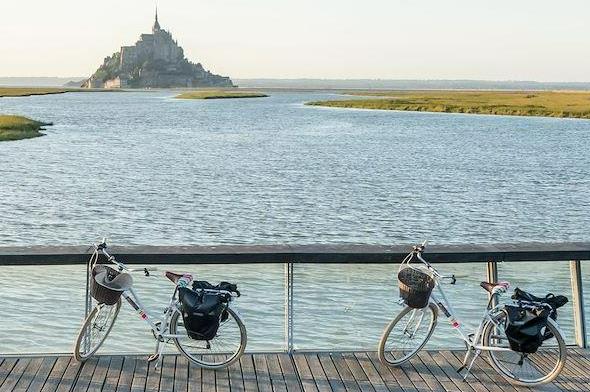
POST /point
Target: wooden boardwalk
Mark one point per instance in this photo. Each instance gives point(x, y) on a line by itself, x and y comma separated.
point(301, 372)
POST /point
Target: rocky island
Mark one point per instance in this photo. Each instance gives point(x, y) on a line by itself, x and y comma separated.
point(155, 61)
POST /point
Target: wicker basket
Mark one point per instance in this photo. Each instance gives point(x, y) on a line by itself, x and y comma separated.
point(415, 287)
point(102, 294)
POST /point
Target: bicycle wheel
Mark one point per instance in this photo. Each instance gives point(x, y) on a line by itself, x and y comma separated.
point(520, 368)
point(223, 350)
point(407, 333)
point(95, 330)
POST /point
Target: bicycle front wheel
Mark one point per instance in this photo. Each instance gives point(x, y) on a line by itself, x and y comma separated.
point(95, 330)
point(407, 334)
point(225, 348)
point(525, 369)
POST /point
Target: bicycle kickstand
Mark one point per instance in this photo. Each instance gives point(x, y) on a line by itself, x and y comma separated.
point(475, 355)
point(157, 355)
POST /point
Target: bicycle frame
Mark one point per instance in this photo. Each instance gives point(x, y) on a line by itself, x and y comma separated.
point(443, 304)
point(161, 324)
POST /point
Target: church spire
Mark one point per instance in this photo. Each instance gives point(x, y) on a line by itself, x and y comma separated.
point(156, 23)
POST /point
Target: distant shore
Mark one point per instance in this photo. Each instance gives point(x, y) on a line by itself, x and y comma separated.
point(19, 127)
point(220, 94)
point(562, 104)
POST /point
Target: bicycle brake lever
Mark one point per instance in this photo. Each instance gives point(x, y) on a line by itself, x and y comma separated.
point(453, 279)
point(146, 272)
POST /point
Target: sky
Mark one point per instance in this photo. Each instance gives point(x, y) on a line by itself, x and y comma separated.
point(369, 39)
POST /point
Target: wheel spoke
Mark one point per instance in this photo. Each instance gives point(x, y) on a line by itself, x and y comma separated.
point(407, 335)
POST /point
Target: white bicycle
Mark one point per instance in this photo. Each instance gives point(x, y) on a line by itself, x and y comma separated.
point(224, 345)
point(411, 329)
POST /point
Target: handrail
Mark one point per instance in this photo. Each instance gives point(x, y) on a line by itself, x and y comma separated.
point(313, 254)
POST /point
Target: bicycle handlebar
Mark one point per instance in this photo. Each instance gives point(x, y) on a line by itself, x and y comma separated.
point(122, 267)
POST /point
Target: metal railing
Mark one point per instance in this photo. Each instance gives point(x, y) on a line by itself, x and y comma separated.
point(289, 255)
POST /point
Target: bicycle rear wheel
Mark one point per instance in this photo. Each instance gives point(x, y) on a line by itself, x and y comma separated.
point(223, 350)
point(407, 334)
point(525, 369)
point(95, 330)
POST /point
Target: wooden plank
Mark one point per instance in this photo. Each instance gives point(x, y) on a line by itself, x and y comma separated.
point(6, 368)
point(429, 379)
point(208, 380)
point(28, 375)
point(393, 377)
point(544, 360)
point(236, 379)
point(289, 374)
point(56, 374)
point(317, 372)
point(15, 374)
point(248, 373)
point(358, 373)
point(455, 363)
point(100, 374)
point(262, 374)
point(139, 376)
point(331, 373)
point(195, 378)
point(113, 374)
point(345, 373)
point(304, 373)
point(42, 374)
point(85, 375)
point(437, 372)
point(181, 374)
point(126, 376)
point(476, 371)
point(154, 374)
point(449, 371)
point(222, 377)
point(275, 373)
point(372, 374)
point(69, 377)
point(496, 379)
point(167, 379)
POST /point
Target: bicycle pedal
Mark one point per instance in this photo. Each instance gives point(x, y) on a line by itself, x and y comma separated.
point(153, 357)
point(461, 369)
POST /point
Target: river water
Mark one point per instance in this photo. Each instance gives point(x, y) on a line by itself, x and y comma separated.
point(144, 168)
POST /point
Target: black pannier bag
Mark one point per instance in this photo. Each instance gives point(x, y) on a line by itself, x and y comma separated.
point(201, 312)
point(555, 301)
point(525, 326)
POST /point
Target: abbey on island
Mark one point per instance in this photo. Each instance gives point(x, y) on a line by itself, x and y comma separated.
point(155, 61)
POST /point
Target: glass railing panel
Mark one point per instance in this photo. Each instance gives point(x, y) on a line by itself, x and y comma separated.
point(42, 308)
point(347, 306)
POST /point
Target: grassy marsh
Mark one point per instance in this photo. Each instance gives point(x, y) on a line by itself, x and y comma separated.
point(29, 91)
point(19, 127)
point(570, 104)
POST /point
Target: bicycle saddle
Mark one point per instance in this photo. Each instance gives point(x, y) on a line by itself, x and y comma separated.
point(121, 282)
point(173, 276)
point(489, 286)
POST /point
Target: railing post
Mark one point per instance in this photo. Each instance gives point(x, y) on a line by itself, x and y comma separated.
point(578, 303)
point(88, 303)
point(289, 307)
point(492, 277)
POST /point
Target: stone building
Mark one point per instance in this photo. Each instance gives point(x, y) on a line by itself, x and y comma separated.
point(157, 61)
